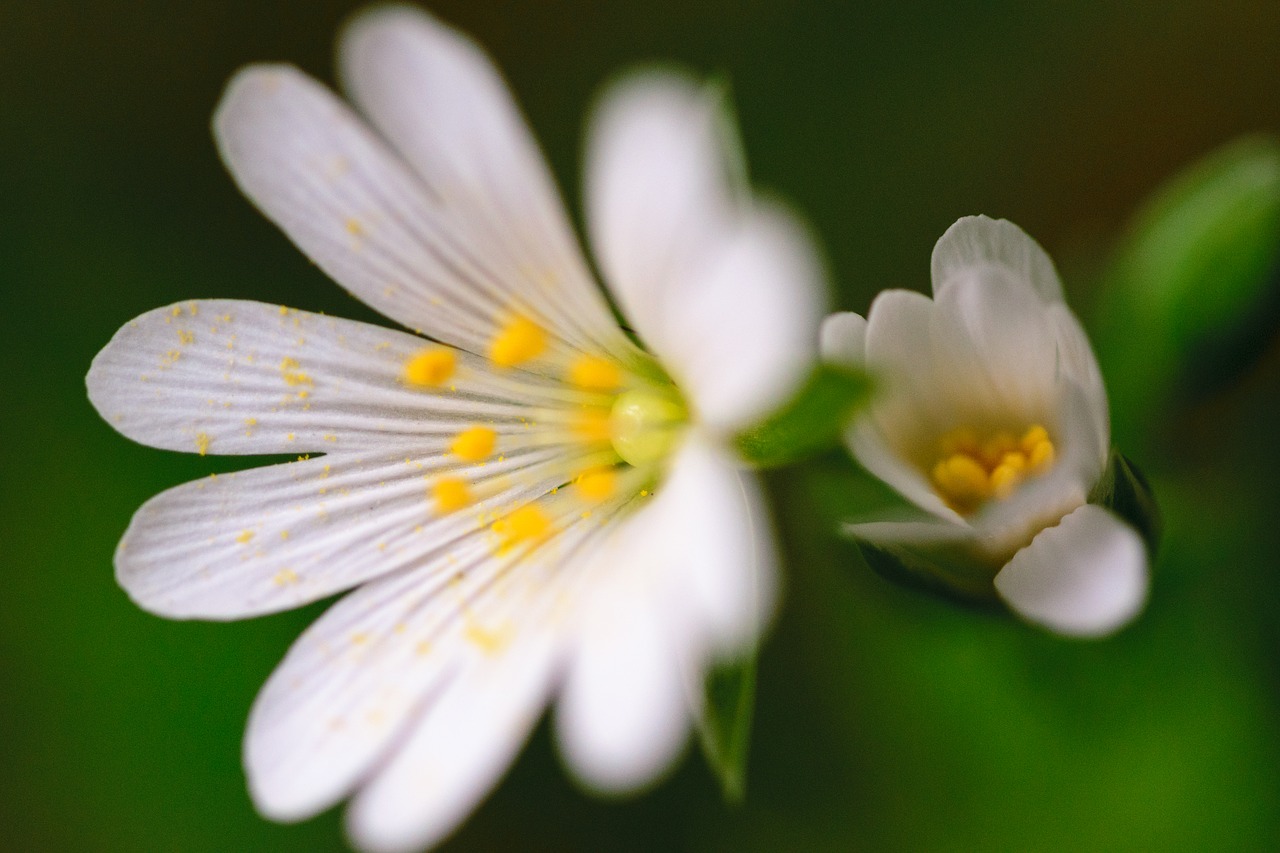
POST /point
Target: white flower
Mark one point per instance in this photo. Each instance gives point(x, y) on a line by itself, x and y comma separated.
point(529, 505)
point(993, 420)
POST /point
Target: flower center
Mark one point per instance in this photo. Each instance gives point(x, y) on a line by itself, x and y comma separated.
point(972, 469)
point(612, 423)
point(644, 425)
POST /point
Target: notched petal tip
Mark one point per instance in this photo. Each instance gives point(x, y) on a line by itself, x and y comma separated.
point(1086, 577)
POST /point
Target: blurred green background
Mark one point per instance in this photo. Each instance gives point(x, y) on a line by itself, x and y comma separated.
point(888, 720)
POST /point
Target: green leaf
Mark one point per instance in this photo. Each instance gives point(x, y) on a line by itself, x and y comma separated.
point(1125, 491)
point(726, 724)
point(810, 423)
point(1192, 289)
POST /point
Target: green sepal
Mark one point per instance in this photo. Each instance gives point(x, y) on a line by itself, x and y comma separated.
point(811, 422)
point(932, 570)
point(725, 730)
point(1125, 491)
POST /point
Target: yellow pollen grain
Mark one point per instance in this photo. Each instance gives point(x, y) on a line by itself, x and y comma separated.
point(475, 444)
point(186, 336)
point(451, 494)
point(353, 226)
point(284, 577)
point(202, 443)
point(594, 373)
point(430, 367)
point(489, 642)
point(530, 522)
point(519, 341)
point(245, 537)
point(597, 484)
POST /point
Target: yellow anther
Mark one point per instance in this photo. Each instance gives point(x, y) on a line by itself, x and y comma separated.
point(598, 484)
point(596, 374)
point(451, 494)
point(1041, 457)
point(593, 425)
point(962, 479)
point(431, 367)
point(1005, 478)
point(474, 444)
point(530, 522)
point(1015, 460)
point(1033, 436)
point(519, 341)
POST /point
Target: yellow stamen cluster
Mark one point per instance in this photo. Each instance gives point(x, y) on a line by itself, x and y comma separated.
point(610, 420)
point(431, 367)
point(972, 470)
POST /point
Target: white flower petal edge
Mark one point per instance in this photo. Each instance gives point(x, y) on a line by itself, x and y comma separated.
point(678, 240)
point(1086, 576)
point(994, 423)
point(526, 506)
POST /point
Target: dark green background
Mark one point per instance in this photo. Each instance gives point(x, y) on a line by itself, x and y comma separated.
point(887, 720)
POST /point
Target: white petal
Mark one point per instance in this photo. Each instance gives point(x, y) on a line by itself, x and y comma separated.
point(842, 340)
point(1085, 577)
point(437, 98)
point(874, 452)
point(278, 537)
point(457, 752)
point(900, 351)
point(933, 531)
point(1077, 363)
point(689, 577)
point(994, 348)
point(357, 210)
point(356, 680)
point(658, 190)
point(977, 242)
point(623, 714)
point(230, 377)
point(727, 294)
point(742, 337)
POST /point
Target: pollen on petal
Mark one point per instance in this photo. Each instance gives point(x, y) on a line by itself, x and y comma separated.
point(451, 494)
point(431, 367)
point(475, 444)
point(595, 373)
point(597, 484)
point(202, 443)
point(519, 341)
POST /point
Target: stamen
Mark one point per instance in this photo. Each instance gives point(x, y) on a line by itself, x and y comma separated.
point(519, 341)
point(593, 425)
point(530, 522)
point(962, 479)
point(431, 367)
point(475, 444)
point(596, 374)
point(451, 494)
point(597, 484)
